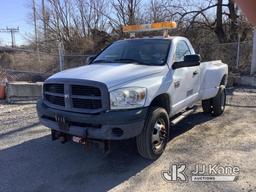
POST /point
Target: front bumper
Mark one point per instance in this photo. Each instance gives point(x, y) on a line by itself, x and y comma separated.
point(112, 125)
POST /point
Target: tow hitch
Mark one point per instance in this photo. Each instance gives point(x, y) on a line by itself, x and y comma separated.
point(104, 145)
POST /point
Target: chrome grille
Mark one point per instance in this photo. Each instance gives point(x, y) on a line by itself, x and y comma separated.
point(79, 96)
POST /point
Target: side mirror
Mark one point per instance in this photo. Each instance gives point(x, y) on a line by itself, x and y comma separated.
point(189, 61)
point(90, 59)
point(193, 58)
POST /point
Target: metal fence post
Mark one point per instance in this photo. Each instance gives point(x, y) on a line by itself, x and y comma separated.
point(61, 55)
point(253, 64)
point(238, 51)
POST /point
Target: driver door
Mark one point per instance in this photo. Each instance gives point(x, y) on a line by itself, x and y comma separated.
point(186, 80)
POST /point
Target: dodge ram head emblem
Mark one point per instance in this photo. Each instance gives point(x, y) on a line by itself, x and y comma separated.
point(66, 96)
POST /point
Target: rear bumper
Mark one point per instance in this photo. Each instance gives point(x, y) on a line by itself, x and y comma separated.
point(112, 125)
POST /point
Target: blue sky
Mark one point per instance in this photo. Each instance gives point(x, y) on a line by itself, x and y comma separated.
point(15, 13)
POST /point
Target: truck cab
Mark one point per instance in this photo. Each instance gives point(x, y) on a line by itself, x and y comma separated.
point(133, 88)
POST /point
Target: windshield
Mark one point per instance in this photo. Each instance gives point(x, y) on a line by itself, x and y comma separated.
point(140, 51)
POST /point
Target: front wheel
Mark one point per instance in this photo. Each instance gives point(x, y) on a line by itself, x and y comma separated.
point(154, 136)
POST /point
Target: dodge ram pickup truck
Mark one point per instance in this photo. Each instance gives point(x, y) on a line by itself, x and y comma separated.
point(135, 87)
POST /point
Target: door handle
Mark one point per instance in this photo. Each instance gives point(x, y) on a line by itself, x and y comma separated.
point(195, 73)
point(176, 84)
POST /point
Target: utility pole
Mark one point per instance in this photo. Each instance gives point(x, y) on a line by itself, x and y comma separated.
point(12, 31)
point(35, 23)
point(44, 20)
point(61, 55)
point(36, 33)
point(238, 51)
point(253, 64)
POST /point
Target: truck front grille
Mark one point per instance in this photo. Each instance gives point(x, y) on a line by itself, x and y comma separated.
point(85, 90)
point(77, 97)
point(54, 88)
point(86, 103)
point(74, 123)
point(56, 100)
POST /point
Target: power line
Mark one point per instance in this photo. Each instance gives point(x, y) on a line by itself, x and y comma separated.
point(12, 31)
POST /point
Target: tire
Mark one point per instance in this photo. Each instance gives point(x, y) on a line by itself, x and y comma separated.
point(219, 103)
point(207, 106)
point(155, 134)
point(216, 105)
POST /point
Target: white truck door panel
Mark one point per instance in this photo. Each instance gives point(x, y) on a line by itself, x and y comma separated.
point(186, 80)
point(186, 85)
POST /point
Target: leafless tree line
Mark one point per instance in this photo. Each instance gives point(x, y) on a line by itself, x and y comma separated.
point(88, 25)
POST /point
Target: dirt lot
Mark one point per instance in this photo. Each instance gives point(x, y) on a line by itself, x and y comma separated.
point(30, 161)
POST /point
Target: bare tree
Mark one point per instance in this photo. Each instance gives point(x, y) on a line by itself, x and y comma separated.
point(73, 22)
point(80, 23)
point(225, 22)
point(156, 11)
point(127, 11)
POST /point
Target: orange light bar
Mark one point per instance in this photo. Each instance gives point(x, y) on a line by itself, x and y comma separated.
point(150, 27)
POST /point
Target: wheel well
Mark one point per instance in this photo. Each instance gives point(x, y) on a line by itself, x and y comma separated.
point(224, 80)
point(163, 101)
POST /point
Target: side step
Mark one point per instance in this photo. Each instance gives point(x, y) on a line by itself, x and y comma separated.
point(183, 115)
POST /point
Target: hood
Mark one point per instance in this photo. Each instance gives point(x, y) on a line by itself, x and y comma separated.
point(111, 74)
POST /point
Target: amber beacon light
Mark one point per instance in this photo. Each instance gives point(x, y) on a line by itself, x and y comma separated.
point(150, 27)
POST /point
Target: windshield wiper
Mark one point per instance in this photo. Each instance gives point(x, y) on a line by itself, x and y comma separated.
point(128, 61)
point(102, 61)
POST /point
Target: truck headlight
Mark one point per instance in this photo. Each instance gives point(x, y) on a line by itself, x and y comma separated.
point(127, 98)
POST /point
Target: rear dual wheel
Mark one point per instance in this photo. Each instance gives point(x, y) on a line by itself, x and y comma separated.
point(216, 105)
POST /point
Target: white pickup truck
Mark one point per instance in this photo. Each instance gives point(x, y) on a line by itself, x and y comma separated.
point(133, 88)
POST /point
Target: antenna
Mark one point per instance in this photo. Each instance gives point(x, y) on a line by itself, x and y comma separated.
point(12, 31)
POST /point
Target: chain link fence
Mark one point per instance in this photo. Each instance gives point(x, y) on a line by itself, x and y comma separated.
point(237, 55)
point(28, 60)
point(74, 60)
point(29, 65)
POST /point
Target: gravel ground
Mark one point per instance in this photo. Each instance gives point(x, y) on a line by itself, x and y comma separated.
point(30, 161)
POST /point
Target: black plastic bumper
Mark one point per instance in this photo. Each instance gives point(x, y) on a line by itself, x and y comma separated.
point(111, 125)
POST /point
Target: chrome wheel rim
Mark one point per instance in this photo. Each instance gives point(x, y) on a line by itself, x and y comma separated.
point(159, 135)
